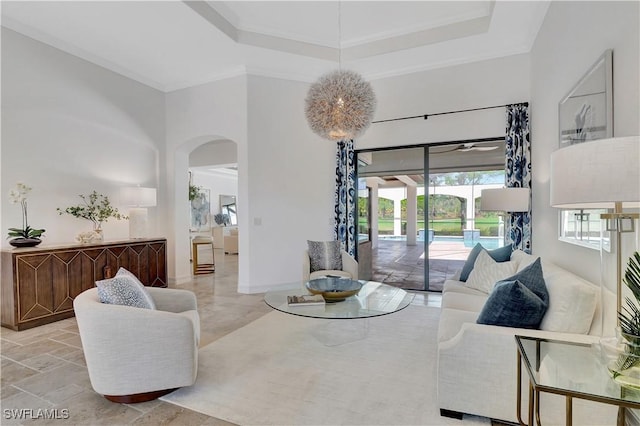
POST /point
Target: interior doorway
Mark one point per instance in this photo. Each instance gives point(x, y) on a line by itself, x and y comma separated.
point(422, 208)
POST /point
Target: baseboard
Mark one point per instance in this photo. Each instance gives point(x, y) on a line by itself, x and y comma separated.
point(451, 414)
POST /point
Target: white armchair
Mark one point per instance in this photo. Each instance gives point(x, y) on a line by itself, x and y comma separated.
point(136, 354)
point(349, 268)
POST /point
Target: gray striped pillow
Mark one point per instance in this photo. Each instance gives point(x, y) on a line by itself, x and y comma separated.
point(325, 255)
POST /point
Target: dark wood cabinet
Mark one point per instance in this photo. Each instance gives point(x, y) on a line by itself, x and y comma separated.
point(40, 283)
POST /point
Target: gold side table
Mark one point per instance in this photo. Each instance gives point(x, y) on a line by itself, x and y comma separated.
point(571, 370)
point(202, 268)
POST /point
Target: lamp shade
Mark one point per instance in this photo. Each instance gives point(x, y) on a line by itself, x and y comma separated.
point(596, 174)
point(137, 196)
point(505, 199)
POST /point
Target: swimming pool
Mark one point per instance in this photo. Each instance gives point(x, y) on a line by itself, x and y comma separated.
point(487, 242)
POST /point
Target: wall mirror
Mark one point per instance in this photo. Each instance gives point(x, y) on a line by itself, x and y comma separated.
point(228, 207)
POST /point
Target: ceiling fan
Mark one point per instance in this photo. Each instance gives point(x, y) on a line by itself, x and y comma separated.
point(466, 147)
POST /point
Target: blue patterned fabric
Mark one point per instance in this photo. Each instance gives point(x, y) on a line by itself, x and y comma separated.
point(122, 290)
point(502, 254)
point(519, 301)
point(345, 197)
point(518, 174)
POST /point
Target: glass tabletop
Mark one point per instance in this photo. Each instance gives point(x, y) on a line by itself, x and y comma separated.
point(373, 299)
point(572, 368)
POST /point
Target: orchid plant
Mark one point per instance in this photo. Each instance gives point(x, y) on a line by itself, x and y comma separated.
point(19, 195)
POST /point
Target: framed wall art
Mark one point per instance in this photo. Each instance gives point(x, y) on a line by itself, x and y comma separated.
point(586, 112)
point(201, 211)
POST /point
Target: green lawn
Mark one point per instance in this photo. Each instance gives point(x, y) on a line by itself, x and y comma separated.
point(487, 227)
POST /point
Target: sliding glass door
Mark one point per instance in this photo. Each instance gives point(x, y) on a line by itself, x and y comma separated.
point(422, 209)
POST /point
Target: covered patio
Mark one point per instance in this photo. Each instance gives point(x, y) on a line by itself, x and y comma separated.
point(398, 264)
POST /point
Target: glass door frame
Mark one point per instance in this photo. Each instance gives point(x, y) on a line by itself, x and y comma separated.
point(425, 147)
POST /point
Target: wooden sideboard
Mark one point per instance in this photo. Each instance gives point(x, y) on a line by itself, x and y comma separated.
point(40, 283)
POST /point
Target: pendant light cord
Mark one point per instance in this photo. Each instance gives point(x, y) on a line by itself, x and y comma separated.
point(339, 35)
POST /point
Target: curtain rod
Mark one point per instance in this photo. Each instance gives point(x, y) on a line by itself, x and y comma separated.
point(425, 116)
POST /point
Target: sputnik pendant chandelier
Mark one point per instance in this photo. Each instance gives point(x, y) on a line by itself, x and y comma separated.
point(341, 104)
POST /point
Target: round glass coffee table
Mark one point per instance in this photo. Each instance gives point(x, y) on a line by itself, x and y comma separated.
point(374, 299)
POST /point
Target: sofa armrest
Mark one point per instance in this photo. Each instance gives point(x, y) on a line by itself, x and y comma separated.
point(481, 357)
point(173, 300)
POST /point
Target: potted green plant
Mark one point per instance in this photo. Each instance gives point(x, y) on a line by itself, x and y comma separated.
point(97, 208)
point(25, 236)
point(193, 192)
point(626, 368)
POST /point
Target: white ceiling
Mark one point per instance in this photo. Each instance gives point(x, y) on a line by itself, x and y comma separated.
point(175, 44)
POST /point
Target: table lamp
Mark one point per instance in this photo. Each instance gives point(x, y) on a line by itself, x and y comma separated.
point(600, 174)
point(139, 199)
point(504, 200)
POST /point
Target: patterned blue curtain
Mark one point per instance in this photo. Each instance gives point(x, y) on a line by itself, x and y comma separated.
point(518, 174)
point(345, 197)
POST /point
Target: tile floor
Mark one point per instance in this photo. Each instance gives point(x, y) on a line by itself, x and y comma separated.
point(397, 264)
point(44, 367)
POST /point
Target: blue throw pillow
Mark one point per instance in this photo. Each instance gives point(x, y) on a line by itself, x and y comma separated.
point(519, 301)
point(502, 254)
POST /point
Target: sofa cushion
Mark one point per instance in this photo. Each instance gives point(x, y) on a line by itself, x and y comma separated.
point(572, 301)
point(325, 255)
point(463, 301)
point(487, 272)
point(145, 293)
point(501, 254)
point(122, 290)
point(519, 301)
point(451, 286)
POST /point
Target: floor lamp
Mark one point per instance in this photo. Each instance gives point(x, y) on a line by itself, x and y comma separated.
point(601, 174)
point(138, 198)
point(504, 200)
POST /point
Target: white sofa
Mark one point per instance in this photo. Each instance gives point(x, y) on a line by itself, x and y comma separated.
point(477, 362)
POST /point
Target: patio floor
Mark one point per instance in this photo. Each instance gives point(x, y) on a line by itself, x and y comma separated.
point(397, 264)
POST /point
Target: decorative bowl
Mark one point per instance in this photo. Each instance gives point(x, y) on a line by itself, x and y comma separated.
point(25, 242)
point(334, 289)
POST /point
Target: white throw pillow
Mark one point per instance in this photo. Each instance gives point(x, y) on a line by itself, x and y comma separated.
point(523, 259)
point(487, 272)
point(572, 301)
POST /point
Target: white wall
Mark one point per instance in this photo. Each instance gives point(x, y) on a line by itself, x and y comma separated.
point(70, 127)
point(223, 152)
point(291, 182)
point(574, 35)
point(194, 117)
point(480, 84)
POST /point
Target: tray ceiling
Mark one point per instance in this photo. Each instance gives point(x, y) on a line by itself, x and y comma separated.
point(170, 45)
